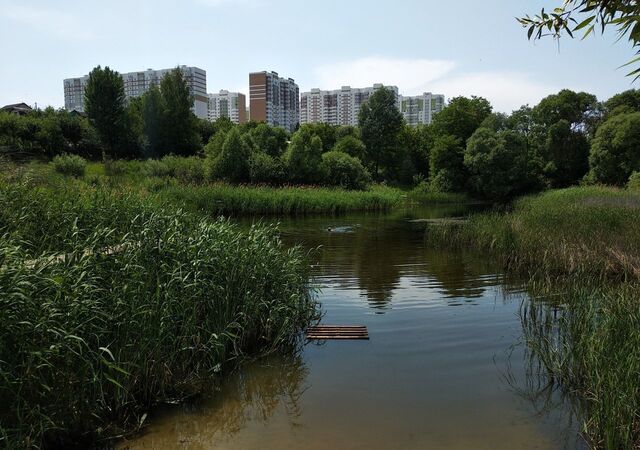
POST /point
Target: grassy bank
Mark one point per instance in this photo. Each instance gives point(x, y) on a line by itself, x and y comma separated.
point(110, 304)
point(586, 230)
point(581, 247)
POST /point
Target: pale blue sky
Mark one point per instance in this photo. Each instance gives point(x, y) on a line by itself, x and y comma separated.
point(459, 47)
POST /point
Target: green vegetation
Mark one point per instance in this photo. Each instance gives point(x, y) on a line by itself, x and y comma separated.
point(72, 165)
point(111, 304)
point(581, 246)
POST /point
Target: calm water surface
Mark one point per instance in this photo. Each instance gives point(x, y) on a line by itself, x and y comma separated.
point(444, 368)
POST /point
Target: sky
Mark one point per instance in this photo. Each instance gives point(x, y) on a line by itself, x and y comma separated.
point(455, 47)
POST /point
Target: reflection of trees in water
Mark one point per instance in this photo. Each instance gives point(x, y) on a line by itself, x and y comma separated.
point(253, 394)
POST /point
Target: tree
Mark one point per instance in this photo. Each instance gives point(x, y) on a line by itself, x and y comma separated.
point(447, 172)
point(461, 117)
point(270, 140)
point(303, 158)
point(105, 105)
point(345, 171)
point(153, 116)
point(326, 133)
point(232, 163)
point(566, 153)
point(380, 122)
point(179, 124)
point(615, 153)
point(350, 145)
point(580, 109)
point(624, 102)
point(498, 164)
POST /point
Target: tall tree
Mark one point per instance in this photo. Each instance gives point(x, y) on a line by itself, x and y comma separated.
point(180, 128)
point(461, 117)
point(153, 111)
point(105, 105)
point(380, 123)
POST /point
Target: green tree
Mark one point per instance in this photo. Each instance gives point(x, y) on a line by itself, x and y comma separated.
point(624, 102)
point(583, 16)
point(580, 109)
point(461, 117)
point(498, 163)
point(615, 153)
point(350, 145)
point(566, 153)
point(326, 133)
point(380, 122)
point(343, 170)
point(270, 140)
point(179, 124)
point(447, 172)
point(303, 158)
point(153, 115)
point(232, 164)
point(105, 105)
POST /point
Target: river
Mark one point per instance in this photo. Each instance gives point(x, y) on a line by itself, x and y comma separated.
point(445, 366)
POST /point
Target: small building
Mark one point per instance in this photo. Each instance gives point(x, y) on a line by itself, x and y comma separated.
point(20, 109)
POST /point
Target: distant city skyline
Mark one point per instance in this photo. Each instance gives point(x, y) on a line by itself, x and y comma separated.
point(419, 46)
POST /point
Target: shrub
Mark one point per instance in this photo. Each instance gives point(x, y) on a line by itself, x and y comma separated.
point(446, 163)
point(634, 182)
point(115, 168)
point(345, 171)
point(186, 169)
point(350, 145)
point(303, 158)
point(265, 169)
point(72, 165)
point(232, 163)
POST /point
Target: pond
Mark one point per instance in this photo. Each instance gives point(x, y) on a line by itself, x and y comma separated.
point(445, 366)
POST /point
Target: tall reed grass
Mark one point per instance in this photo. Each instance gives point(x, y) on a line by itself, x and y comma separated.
point(91, 337)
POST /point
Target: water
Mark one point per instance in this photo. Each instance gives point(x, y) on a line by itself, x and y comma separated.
point(444, 367)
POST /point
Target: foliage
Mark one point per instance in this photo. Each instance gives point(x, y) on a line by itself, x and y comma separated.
point(232, 164)
point(461, 117)
point(72, 165)
point(105, 106)
point(153, 116)
point(624, 102)
point(194, 296)
point(584, 15)
point(270, 140)
point(614, 153)
point(634, 182)
point(446, 165)
point(380, 122)
point(303, 158)
point(344, 170)
point(350, 145)
point(566, 153)
point(264, 168)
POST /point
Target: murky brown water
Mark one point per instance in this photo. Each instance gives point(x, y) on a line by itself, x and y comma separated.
point(444, 368)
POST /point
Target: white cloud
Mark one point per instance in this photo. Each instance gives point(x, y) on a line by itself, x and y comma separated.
point(505, 90)
point(216, 3)
point(411, 76)
point(54, 22)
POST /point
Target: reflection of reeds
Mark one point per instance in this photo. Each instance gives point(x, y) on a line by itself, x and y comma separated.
point(91, 339)
point(590, 351)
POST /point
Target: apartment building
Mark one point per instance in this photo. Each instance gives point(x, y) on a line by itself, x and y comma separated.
point(420, 109)
point(228, 104)
point(337, 107)
point(137, 83)
point(274, 100)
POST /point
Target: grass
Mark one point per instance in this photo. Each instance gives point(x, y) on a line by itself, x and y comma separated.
point(582, 245)
point(91, 338)
point(586, 230)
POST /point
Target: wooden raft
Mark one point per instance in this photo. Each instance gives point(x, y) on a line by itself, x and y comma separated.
point(338, 332)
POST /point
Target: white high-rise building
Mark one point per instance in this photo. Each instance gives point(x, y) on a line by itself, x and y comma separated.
point(228, 104)
point(337, 107)
point(137, 83)
point(420, 109)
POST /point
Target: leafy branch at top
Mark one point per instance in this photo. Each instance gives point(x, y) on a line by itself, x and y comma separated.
point(587, 16)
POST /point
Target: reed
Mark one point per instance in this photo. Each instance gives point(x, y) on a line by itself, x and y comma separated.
point(110, 304)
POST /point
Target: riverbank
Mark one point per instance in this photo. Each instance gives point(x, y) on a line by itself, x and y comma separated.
point(111, 305)
point(581, 248)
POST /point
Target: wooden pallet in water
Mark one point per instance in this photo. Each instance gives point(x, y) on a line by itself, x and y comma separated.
point(323, 332)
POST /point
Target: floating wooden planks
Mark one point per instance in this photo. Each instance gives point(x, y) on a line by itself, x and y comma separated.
point(338, 332)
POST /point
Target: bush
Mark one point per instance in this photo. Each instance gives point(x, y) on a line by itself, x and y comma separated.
point(303, 158)
point(72, 165)
point(345, 171)
point(614, 153)
point(265, 169)
point(232, 163)
point(634, 182)
point(188, 170)
point(350, 145)
point(446, 163)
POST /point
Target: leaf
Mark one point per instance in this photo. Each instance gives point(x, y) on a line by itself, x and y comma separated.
point(115, 382)
point(584, 23)
point(106, 350)
point(530, 32)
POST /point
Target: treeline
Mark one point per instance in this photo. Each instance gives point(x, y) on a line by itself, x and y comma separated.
point(566, 139)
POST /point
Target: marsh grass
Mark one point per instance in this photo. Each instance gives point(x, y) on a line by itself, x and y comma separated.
point(91, 340)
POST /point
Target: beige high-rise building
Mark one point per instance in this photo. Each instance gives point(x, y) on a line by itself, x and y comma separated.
point(137, 83)
point(228, 104)
point(337, 107)
point(420, 109)
point(274, 100)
